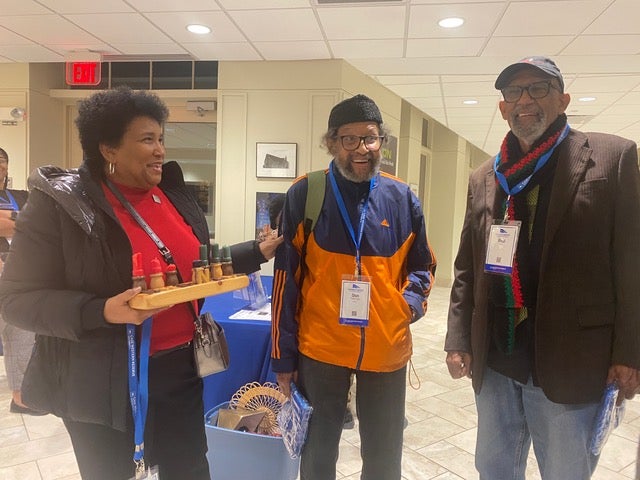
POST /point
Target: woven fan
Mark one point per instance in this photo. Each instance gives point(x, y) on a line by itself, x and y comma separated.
point(266, 398)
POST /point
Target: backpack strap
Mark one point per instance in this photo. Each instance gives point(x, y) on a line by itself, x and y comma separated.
point(316, 185)
point(317, 182)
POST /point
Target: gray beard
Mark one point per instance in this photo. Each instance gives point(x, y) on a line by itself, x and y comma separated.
point(531, 133)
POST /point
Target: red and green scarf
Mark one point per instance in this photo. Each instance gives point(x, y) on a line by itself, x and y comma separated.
point(512, 295)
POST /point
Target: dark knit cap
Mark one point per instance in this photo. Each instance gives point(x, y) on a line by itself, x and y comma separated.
point(355, 109)
point(542, 64)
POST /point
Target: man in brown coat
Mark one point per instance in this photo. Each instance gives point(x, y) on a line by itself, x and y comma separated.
point(545, 305)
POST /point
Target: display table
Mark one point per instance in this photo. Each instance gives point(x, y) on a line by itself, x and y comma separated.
point(249, 348)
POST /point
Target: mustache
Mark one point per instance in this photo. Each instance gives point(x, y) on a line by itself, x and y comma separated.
point(524, 111)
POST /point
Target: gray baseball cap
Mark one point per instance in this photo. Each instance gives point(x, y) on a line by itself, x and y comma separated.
point(543, 64)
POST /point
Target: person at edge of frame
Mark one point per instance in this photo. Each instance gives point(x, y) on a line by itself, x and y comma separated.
point(542, 332)
point(68, 278)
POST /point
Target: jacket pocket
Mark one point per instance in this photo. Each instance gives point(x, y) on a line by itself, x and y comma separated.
point(590, 316)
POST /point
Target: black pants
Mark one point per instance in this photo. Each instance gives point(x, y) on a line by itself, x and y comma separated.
point(380, 404)
point(174, 435)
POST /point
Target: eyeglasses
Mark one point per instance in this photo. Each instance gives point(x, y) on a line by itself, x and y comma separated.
point(353, 142)
point(512, 93)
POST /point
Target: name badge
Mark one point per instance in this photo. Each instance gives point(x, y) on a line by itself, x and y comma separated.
point(149, 473)
point(503, 241)
point(354, 300)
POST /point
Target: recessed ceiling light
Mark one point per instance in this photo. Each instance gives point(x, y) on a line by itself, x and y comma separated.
point(199, 29)
point(587, 99)
point(451, 22)
point(470, 102)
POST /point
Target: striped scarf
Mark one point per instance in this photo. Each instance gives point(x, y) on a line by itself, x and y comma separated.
point(511, 295)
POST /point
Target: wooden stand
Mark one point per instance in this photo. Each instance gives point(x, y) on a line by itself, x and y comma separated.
point(187, 292)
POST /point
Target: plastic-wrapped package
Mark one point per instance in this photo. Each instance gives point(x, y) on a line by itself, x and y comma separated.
point(609, 416)
point(293, 419)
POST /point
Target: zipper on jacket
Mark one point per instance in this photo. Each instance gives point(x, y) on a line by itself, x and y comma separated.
point(362, 339)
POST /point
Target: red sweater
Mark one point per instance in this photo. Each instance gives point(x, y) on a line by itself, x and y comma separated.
point(175, 325)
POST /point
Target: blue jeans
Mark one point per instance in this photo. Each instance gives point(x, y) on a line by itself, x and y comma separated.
point(380, 402)
point(511, 415)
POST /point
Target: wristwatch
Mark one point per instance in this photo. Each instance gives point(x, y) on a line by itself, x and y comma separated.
point(13, 215)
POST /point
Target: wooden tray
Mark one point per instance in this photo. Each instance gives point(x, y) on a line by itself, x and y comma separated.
point(186, 292)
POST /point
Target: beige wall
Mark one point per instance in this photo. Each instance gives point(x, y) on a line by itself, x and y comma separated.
point(46, 116)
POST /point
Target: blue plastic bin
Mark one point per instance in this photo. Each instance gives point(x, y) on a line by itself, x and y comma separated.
point(235, 455)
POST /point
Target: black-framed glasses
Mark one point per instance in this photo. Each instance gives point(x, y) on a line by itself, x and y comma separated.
point(512, 93)
point(353, 142)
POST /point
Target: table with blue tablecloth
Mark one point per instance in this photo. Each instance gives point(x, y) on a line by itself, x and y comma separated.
point(249, 348)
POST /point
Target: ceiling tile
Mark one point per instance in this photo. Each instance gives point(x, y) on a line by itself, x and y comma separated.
point(618, 110)
point(9, 38)
point(520, 47)
point(366, 48)
point(602, 83)
point(596, 45)
point(83, 6)
point(283, 25)
point(103, 48)
point(342, 23)
point(444, 47)
point(490, 101)
point(292, 50)
point(22, 7)
point(620, 18)
point(479, 19)
point(175, 24)
point(561, 17)
point(173, 6)
point(465, 89)
point(417, 90)
point(132, 28)
point(47, 29)
point(222, 51)
point(429, 103)
point(407, 79)
point(33, 53)
point(261, 4)
point(631, 98)
point(148, 49)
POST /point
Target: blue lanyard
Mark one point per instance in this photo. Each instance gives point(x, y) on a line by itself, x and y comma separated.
point(139, 385)
point(345, 215)
point(10, 203)
point(541, 163)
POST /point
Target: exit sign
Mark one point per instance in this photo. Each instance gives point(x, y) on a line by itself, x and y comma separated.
point(84, 73)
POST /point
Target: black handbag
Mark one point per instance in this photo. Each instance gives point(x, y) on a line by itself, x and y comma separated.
point(210, 349)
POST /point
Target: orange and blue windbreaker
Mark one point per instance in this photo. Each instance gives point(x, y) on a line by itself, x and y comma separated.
point(395, 254)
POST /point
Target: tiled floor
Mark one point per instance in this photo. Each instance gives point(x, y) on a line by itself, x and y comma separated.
point(439, 440)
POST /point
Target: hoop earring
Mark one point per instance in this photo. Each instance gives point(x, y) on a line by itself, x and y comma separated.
point(112, 168)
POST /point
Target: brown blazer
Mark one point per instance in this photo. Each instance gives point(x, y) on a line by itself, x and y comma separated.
point(588, 305)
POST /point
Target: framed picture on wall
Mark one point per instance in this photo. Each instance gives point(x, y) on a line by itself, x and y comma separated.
point(276, 160)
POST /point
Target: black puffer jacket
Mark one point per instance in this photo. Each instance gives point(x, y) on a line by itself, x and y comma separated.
point(68, 256)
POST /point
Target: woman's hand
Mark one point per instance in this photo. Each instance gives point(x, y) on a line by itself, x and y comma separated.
point(117, 309)
point(269, 245)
